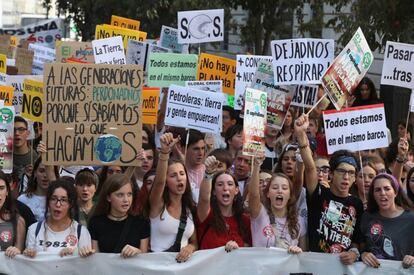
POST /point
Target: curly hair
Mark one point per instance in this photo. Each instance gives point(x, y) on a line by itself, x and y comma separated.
point(292, 212)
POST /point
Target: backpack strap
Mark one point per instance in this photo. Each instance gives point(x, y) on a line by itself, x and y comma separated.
point(38, 225)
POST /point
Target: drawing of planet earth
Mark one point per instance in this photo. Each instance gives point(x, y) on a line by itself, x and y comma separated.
point(108, 148)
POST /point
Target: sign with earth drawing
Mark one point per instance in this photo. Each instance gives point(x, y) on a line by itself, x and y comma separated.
point(92, 114)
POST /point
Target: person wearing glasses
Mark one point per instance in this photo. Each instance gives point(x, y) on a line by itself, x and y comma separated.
point(323, 170)
point(334, 215)
point(59, 233)
point(23, 154)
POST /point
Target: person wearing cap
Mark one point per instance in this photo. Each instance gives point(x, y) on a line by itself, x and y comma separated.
point(334, 215)
point(220, 213)
point(388, 224)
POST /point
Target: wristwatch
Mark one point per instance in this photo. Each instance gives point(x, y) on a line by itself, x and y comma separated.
point(356, 251)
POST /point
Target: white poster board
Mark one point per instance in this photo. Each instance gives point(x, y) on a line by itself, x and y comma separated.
point(109, 51)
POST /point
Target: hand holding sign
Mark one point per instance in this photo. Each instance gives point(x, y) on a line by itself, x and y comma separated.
point(301, 124)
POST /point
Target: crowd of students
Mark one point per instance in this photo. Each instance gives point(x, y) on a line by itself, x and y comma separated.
point(203, 193)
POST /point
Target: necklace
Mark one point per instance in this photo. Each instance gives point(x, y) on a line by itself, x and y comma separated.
point(115, 218)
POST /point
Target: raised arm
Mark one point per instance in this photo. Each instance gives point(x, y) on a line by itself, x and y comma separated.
point(254, 189)
point(203, 207)
point(301, 124)
point(155, 198)
point(399, 161)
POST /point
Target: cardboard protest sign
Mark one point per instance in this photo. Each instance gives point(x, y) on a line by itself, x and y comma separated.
point(109, 51)
point(124, 22)
point(305, 96)
point(254, 122)
point(32, 100)
point(200, 26)
point(171, 68)
point(6, 138)
point(92, 114)
point(17, 81)
point(6, 94)
point(7, 50)
point(245, 69)
point(278, 97)
point(213, 67)
point(5, 39)
point(41, 56)
point(45, 32)
point(169, 40)
point(3, 63)
point(356, 128)
point(348, 68)
point(24, 61)
point(106, 31)
point(398, 66)
point(138, 52)
point(81, 52)
point(150, 100)
point(194, 109)
point(301, 61)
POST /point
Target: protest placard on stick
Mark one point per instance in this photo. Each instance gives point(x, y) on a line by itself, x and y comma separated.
point(6, 138)
point(81, 52)
point(24, 61)
point(92, 114)
point(109, 51)
point(254, 122)
point(32, 100)
point(150, 100)
point(305, 96)
point(138, 52)
point(169, 40)
point(347, 70)
point(17, 81)
point(124, 22)
point(6, 94)
point(356, 128)
point(106, 31)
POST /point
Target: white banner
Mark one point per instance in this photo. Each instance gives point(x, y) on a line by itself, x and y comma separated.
point(356, 129)
point(246, 67)
point(194, 109)
point(398, 66)
point(301, 61)
point(263, 261)
point(44, 32)
point(305, 96)
point(200, 26)
point(41, 56)
point(109, 51)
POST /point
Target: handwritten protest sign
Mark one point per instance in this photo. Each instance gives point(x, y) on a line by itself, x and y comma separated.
point(398, 66)
point(254, 122)
point(355, 129)
point(7, 50)
point(169, 40)
point(106, 31)
point(3, 63)
point(41, 56)
point(171, 68)
point(80, 52)
point(301, 61)
point(138, 52)
point(213, 67)
point(194, 109)
point(348, 68)
point(245, 69)
point(32, 100)
point(109, 51)
point(150, 100)
point(45, 32)
point(92, 114)
point(278, 97)
point(5, 39)
point(24, 61)
point(305, 96)
point(6, 138)
point(126, 23)
point(6, 94)
point(200, 26)
point(17, 81)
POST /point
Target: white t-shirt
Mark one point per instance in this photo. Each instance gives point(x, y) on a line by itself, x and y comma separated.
point(164, 231)
point(53, 242)
point(36, 203)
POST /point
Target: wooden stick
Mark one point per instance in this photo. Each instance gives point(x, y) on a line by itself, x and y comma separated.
point(186, 144)
point(316, 104)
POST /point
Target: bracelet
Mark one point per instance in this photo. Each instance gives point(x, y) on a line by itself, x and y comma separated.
point(303, 146)
point(163, 156)
point(356, 251)
point(400, 160)
point(208, 176)
point(165, 153)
